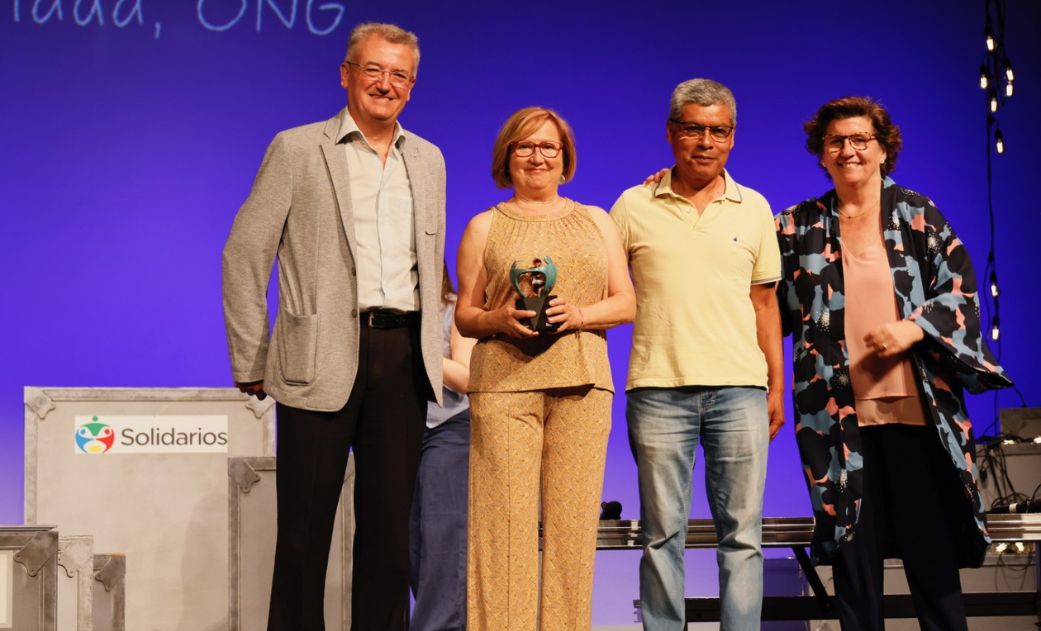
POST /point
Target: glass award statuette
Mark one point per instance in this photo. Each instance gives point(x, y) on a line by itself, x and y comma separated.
point(533, 285)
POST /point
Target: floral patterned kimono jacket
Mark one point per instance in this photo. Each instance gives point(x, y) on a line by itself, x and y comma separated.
point(935, 288)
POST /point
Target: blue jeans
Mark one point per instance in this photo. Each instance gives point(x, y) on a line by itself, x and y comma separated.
point(438, 528)
point(665, 425)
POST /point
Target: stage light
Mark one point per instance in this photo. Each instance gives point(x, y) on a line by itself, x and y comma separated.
point(996, 78)
point(1001, 547)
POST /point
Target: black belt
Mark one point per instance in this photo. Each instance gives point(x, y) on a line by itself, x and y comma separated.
point(387, 319)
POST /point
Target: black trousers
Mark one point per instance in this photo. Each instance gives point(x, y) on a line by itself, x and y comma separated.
point(383, 423)
point(912, 505)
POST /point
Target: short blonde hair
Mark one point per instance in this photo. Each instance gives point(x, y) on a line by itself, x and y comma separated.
point(522, 124)
point(390, 32)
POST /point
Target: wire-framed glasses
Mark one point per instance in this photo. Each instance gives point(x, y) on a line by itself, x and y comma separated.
point(397, 78)
point(718, 133)
point(859, 142)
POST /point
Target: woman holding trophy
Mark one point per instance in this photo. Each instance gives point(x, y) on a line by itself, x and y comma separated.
point(541, 276)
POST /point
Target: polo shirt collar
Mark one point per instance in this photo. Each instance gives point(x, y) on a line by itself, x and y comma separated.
point(731, 191)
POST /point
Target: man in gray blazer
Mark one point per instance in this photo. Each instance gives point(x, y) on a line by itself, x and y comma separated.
point(353, 209)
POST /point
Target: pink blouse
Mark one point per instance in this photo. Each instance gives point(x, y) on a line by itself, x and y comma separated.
point(883, 388)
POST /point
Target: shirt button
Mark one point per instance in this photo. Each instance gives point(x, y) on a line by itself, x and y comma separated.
point(354, 313)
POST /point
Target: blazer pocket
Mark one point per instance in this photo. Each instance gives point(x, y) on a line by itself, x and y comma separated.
point(297, 348)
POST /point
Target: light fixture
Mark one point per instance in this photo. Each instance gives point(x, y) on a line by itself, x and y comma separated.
point(996, 79)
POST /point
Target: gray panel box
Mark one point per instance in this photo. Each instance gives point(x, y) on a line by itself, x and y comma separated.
point(75, 583)
point(28, 578)
point(91, 590)
point(109, 602)
point(129, 467)
point(251, 546)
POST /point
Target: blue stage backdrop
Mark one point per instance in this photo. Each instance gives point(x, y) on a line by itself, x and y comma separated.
point(132, 130)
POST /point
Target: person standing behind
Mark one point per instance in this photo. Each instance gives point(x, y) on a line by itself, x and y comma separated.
point(706, 361)
point(354, 210)
point(541, 402)
point(437, 535)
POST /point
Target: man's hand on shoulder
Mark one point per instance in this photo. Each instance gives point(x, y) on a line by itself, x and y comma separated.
point(656, 178)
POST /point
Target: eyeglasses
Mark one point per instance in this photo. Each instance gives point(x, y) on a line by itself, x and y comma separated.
point(718, 133)
point(547, 149)
point(859, 142)
point(397, 78)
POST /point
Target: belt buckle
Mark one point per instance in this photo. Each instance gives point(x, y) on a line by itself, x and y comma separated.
point(368, 318)
point(379, 319)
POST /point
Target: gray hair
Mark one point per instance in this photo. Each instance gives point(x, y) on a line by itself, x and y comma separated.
point(701, 92)
point(390, 32)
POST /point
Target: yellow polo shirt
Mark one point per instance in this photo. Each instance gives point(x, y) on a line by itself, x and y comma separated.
point(695, 324)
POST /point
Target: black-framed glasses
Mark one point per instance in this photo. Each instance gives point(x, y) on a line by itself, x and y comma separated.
point(859, 142)
point(718, 133)
point(548, 149)
point(375, 72)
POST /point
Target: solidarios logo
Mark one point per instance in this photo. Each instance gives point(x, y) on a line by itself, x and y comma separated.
point(138, 434)
point(94, 437)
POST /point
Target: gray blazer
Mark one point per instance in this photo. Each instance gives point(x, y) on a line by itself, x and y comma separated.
point(299, 210)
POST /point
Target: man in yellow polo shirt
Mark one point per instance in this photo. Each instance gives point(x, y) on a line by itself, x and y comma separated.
point(706, 362)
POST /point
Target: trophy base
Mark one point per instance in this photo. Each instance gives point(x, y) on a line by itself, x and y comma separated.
point(538, 304)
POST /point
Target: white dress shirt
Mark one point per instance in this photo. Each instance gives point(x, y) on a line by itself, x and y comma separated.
point(381, 202)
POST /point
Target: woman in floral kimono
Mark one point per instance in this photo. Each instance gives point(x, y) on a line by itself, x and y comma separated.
point(880, 298)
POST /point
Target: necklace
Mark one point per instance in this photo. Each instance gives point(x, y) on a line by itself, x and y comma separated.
point(869, 211)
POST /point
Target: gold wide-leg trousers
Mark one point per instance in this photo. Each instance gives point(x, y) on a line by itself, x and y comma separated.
point(558, 438)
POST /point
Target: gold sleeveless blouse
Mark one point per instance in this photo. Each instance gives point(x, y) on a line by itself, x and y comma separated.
point(573, 358)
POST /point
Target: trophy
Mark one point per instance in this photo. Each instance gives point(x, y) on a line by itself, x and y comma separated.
point(533, 285)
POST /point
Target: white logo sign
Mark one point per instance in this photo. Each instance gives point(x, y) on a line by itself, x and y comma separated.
point(110, 435)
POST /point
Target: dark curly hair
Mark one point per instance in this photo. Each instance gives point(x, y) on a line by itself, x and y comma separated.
point(886, 132)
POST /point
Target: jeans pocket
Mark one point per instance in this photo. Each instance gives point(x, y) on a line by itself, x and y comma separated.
point(298, 339)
